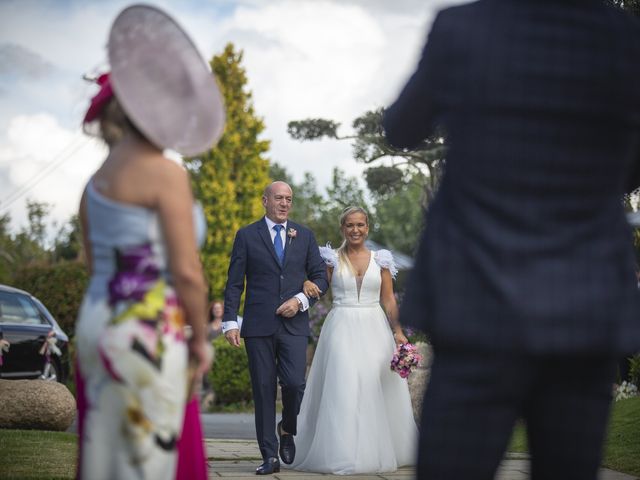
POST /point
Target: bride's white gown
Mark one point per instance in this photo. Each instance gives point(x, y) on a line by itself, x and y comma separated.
point(356, 414)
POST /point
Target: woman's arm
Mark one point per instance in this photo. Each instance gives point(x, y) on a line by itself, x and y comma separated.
point(311, 290)
point(388, 301)
point(175, 209)
point(84, 228)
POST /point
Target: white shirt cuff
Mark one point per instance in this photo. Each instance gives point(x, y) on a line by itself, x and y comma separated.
point(305, 301)
point(231, 325)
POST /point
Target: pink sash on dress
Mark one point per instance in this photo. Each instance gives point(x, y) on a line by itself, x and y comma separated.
point(192, 462)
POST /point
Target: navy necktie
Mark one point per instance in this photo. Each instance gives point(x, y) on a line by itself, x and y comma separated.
point(277, 243)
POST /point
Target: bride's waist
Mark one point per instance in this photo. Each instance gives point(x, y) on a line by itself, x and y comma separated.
point(355, 305)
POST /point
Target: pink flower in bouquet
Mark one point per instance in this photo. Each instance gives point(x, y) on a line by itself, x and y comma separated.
point(405, 359)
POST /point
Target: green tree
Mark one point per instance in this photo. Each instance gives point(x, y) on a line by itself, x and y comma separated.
point(395, 211)
point(59, 286)
point(37, 213)
point(27, 247)
point(6, 249)
point(308, 204)
point(68, 243)
point(321, 212)
point(370, 147)
point(230, 178)
point(398, 217)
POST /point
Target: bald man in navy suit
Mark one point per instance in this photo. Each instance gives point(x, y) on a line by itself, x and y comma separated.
point(275, 256)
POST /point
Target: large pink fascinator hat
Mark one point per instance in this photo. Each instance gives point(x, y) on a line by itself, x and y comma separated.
point(162, 82)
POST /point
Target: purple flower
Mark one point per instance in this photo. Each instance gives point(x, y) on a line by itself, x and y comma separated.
point(405, 359)
point(130, 286)
point(138, 259)
point(137, 271)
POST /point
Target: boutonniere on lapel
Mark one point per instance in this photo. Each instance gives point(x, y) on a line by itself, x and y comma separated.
point(291, 233)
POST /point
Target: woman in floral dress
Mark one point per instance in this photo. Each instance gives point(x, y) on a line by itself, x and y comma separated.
point(140, 231)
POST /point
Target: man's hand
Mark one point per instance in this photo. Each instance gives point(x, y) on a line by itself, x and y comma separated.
point(289, 308)
point(233, 337)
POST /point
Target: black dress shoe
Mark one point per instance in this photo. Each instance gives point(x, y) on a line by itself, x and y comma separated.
point(287, 446)
point(270, 465)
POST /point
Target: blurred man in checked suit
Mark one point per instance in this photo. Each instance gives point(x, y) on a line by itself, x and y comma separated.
point(524, 277)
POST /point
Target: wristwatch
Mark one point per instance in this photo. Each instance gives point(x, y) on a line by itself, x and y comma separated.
point(300, 304)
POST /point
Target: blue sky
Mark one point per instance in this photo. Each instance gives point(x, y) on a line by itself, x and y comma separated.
point(304, 58)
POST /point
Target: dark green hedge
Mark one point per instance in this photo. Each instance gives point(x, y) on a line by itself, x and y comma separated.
point(229, 375)
point(60, 287)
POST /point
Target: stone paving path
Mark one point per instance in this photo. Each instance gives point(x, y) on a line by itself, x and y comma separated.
point(238, 459)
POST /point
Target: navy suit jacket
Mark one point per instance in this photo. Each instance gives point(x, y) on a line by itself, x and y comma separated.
point(526, 247)
point(268, 283)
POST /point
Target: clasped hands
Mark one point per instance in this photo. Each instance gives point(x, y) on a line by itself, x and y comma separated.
point(292, 306)
point(311, 290)
point(288, 309)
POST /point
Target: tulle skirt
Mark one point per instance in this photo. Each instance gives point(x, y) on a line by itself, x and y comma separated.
point(356, 414)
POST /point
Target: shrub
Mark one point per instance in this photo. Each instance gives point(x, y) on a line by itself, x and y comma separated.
point(229, 375)
point(625, 390)
point(60, 287)
point(634, 369)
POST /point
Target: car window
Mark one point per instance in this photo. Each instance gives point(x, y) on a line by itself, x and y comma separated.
point(17, 308)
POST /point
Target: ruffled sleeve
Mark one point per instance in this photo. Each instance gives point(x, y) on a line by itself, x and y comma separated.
point(384, 259)
point(329, 255)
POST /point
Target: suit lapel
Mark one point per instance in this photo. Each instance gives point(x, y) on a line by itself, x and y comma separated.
point(289, 242)
point(266, 238)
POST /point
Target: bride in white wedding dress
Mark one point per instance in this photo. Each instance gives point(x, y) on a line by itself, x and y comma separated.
point(356, 414)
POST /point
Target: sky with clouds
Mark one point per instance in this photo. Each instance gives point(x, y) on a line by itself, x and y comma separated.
point(304, 58)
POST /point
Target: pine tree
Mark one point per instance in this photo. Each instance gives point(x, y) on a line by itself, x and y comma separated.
point(230, 178)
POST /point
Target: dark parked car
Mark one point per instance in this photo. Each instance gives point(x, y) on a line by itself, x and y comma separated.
point(32, 344)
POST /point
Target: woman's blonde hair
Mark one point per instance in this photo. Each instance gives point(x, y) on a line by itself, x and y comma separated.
point(342, 249)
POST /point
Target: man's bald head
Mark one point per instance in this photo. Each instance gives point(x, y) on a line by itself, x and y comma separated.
point(277, 201)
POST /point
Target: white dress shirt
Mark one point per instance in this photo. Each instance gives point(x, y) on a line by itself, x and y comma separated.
point(231, 325)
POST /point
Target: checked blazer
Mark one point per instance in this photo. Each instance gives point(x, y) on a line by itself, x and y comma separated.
point(526, 246)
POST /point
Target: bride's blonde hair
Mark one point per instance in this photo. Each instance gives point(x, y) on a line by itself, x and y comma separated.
point(342, 249)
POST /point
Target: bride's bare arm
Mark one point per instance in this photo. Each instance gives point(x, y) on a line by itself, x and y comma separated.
point(388, 301)
point(311, 290)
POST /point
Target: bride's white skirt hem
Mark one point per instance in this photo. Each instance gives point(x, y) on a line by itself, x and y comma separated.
point(356, 415)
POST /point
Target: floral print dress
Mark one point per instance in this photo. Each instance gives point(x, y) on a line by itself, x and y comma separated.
point(132, 354)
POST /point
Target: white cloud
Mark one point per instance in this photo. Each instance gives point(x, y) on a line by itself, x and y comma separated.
point(20, 61)
point(42, 161)
point(304, 58)
point(320, 59)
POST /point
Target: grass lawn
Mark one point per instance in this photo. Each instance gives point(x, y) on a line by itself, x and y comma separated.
point(622, 448)
point(622, 451)
point(32, 454)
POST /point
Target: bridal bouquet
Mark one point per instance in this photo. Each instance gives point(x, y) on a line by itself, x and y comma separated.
point(405, 359)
